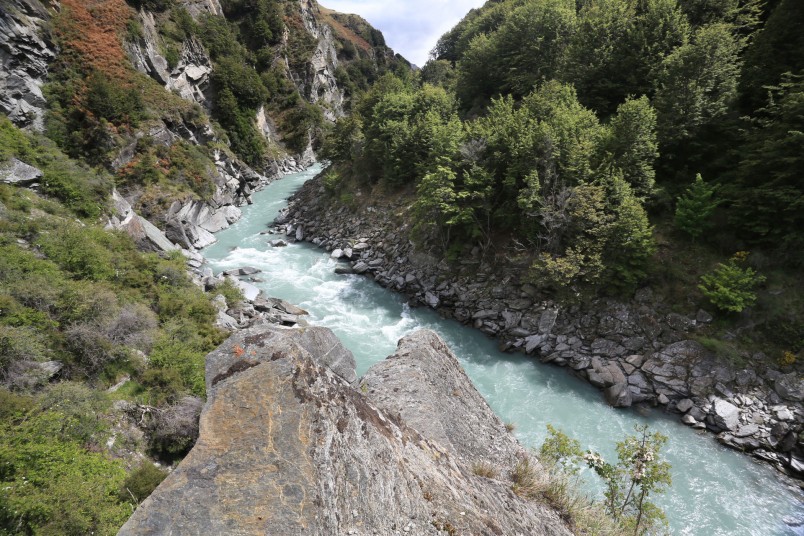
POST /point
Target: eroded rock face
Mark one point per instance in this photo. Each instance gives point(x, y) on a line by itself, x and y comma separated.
point(320, 85)
point(288, 447)
point(25, 52)
point(425, 385)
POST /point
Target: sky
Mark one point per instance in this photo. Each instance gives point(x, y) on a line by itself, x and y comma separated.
point(411, 27)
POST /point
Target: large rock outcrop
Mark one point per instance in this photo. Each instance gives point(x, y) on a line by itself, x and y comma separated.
point(287, 446)
point(319, 84)
point(25, 52)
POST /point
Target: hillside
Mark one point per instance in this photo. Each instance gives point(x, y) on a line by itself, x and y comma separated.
point(129, 134)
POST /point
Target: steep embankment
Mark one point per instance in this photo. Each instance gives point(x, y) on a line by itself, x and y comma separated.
point(190, 105)
point(636, 351)
point(289, 446)
point(159, 119)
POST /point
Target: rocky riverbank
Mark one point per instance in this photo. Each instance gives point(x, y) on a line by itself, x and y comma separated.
point(291, 443)
point(638, 352)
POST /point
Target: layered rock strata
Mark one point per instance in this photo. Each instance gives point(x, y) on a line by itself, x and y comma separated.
point(25, 52)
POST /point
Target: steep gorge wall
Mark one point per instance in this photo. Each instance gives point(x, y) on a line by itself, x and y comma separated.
point(26, 49)
point(25, 52)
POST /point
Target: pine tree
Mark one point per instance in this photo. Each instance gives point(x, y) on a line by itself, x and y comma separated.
point(695, 207)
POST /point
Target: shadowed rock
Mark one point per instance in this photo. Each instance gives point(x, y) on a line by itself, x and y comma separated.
point(287, 447)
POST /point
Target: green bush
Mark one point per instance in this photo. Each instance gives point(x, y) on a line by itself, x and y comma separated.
point(141, 482)
point(230, 291)
point(163, 384)
point(80, 251)
point(173, 430)
point(730, 286)
point(51, 484)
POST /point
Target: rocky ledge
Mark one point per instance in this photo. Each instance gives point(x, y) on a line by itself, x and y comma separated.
point(291, 443)
point(638, 352)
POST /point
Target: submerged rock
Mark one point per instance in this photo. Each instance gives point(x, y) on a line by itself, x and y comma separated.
point(288, 447)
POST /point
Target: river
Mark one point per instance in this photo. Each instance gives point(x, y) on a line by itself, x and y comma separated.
point(715, 491)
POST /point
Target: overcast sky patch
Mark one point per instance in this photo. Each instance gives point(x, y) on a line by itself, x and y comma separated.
point(411, 27)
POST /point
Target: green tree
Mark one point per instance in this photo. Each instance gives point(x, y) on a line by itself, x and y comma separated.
point(731, 287)
point(697, 83)
point(629, 243)
point(777, 49)
point(633, 144)
point(595, 53)
point(694, 209)
point(767, 193)
point(638, 474)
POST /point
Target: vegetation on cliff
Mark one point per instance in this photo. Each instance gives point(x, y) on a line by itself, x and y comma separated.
point(81, 307)
point(571, 134)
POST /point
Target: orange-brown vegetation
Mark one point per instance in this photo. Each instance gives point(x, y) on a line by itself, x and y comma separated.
point(90, 33)
point(343, 31)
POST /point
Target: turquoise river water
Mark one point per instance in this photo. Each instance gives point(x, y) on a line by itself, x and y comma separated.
point(715, 491)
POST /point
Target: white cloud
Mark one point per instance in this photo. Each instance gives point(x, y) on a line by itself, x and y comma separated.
point(410, 27)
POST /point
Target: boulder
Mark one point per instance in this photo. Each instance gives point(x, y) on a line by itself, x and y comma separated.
point(547, 321)
point(286, 446)
point(689, 420)
point(250, 292)
point(360, 267)
point(18, 173)
point(619, 395)
point(725, 415)
point(790, 387)
point(684, 405)
point(429, 298)
point(425, 385)
point(532, 342)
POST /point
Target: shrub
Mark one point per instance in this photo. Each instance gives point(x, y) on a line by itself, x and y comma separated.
point(141, 482)
point(90, 346)
point(164, 385)
point(110, 100)
point(174, 430)
point(230, 291)
point(80, 409)
point(183, 357)
point(730, 286)
point(485, 469)
point(51, 484)
point(80, 251)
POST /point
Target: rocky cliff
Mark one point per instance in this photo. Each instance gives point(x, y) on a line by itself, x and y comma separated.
point(290, 445)
point(25, 52)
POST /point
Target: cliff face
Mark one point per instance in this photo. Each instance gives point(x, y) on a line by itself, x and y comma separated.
point(288, 446)
point(25, 51)
point(183, 66)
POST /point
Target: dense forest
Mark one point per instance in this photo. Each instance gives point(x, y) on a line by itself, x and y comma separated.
point(606, 137)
